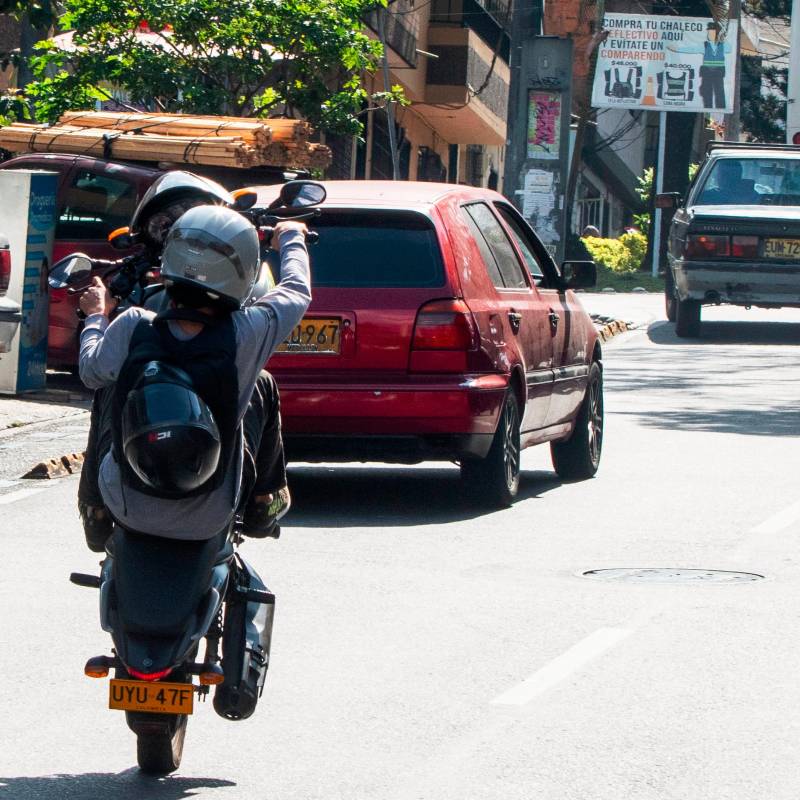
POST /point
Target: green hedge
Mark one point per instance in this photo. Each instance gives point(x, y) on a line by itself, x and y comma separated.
point(622, 255)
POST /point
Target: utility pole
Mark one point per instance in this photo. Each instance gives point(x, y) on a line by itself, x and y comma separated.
point(537, 144)
point(793, 105)
point(387, 87)
point(733, 124)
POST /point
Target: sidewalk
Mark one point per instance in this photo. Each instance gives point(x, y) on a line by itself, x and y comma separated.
point(63, 398)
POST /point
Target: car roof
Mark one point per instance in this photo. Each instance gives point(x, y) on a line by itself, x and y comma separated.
point(754, 152)
point(418, 195)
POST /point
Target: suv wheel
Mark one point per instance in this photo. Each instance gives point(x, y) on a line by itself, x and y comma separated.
point(578, 457)
point(687, 319)
point(670, 301)
point(495, 478)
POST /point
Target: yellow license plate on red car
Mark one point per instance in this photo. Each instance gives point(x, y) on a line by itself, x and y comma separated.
point(314, 335)
point(782, 248)
point(156, 697)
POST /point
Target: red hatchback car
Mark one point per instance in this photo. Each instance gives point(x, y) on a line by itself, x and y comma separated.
point(440, 328)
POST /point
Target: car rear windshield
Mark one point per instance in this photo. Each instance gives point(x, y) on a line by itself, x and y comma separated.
point(751, 181)
point(375, 249)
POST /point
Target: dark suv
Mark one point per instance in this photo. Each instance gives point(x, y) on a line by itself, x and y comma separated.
point(736, 239)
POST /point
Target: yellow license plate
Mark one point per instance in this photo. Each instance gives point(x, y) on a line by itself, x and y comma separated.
point(157, 697)
point(782, 248)
point(314, 335)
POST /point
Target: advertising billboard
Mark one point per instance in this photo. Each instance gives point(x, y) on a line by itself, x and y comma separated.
point(665, 63)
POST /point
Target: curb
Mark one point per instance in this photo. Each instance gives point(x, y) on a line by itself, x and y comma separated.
point(57, 467)
point(607, 327)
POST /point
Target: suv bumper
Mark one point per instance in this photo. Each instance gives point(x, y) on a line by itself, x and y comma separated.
point(761, 283)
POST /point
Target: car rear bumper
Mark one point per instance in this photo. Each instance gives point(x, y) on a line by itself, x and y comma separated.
point(405, 423)
point(758, 283)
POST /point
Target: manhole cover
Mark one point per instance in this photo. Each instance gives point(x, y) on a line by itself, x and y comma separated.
point(671, 575)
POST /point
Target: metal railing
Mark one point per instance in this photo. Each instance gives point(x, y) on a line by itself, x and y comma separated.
point(399, 35)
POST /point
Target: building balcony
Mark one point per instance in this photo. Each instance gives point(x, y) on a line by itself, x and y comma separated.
point(400, 36)
point(466, 98)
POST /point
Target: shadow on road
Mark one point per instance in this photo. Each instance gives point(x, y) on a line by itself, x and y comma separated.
point(342, 496)
point(127, 785)
point(759, 333)
point(711, 388)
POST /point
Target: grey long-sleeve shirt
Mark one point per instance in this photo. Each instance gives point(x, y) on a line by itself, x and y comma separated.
point(259, 329)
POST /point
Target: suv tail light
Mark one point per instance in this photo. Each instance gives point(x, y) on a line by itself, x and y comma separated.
point(444, 333)
point(5, 269)
point(705, 245)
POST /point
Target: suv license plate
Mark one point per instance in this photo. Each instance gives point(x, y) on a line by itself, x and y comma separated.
point(314, 335)
point(782, 248)
point(156, 697)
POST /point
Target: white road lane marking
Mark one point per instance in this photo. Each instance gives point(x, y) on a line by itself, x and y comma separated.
point(563, 666)
point(780, 521)
point(20, 494)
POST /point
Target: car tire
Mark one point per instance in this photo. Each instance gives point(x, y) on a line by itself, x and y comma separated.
point(687, 319)
point(578, 458)
point(670, 301)
point(494, 480)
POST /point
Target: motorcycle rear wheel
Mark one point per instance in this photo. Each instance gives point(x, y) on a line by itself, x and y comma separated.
point(160, 753)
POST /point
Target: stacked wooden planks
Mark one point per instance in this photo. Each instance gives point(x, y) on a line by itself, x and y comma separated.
point(218, 141)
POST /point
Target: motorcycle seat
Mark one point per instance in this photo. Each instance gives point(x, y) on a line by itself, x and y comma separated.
point(161, 583)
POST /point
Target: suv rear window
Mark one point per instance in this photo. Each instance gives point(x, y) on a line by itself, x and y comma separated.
point(375, 249)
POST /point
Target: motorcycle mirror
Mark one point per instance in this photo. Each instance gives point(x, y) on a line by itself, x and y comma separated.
point(70, 270)
point(244, 199)
point(300, 194)
point(121, 239)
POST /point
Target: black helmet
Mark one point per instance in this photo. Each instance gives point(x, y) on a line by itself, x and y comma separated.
point(169, 436)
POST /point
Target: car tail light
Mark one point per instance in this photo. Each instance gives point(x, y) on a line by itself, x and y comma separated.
point(5, 269)
point(744, 246)
point(705, 245)
point(444, 325)
point(149, 676)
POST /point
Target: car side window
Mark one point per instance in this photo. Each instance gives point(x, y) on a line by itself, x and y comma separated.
point(94, 205)
point(489, 228)
point(538, 261)
point(488, 257)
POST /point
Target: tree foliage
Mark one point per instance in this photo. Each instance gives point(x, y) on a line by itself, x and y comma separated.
point(237, 57)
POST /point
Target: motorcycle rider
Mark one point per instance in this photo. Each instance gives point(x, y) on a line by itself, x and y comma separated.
point(218, 348)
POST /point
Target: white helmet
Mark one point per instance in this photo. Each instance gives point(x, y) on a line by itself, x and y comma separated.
point(213, 249)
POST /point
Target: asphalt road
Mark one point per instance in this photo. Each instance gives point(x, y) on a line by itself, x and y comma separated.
point(425, 650)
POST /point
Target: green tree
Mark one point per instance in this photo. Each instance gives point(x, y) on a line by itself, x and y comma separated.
point(237, 57)
point(36, 18)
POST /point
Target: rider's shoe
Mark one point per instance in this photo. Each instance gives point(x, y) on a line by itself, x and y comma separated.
point(261, 519)
point(97, 526)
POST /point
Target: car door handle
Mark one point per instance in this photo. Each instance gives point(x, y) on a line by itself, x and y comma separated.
point(554, 318)
point(515, 318)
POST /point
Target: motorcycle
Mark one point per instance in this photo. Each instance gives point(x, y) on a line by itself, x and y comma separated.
point(160, 599)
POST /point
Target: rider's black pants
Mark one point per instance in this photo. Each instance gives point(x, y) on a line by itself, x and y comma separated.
point(264, 464)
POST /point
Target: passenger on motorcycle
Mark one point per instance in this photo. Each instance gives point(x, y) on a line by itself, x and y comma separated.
point(191, 430)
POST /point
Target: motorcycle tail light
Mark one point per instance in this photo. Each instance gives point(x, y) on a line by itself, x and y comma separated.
point(5, 269)
point(744, 246)
point(149, 676)
point(706, 245)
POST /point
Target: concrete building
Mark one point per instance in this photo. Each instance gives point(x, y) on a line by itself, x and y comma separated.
point(451, 58)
